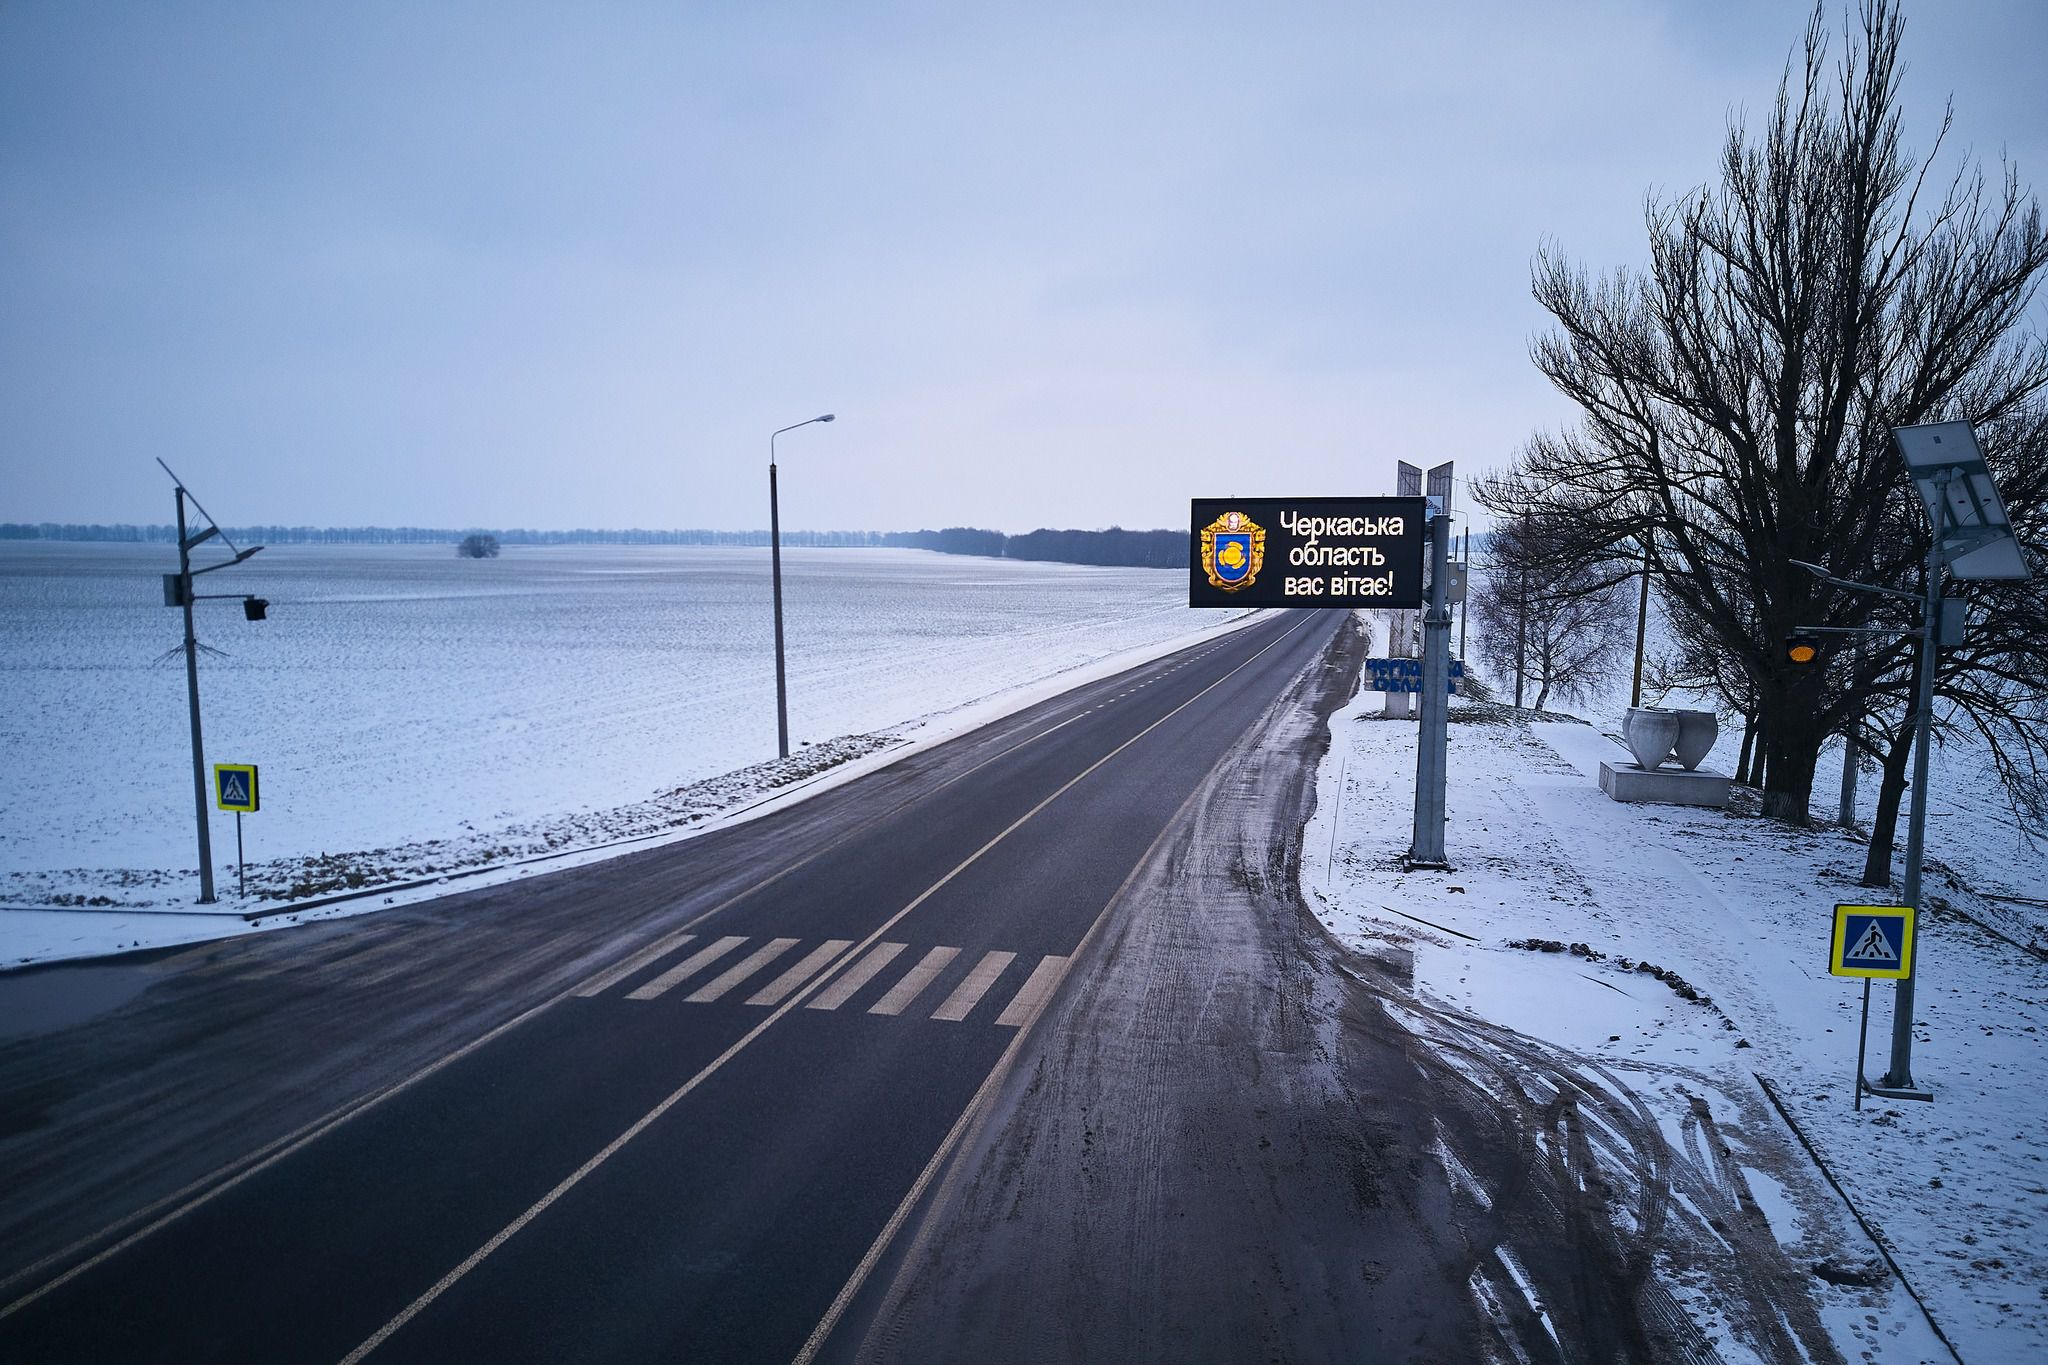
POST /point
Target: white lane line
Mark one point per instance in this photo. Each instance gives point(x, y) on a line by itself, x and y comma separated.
point(1037, 990)
point(813, 963)
point(161, 1213)
point(732, 976)
point(862, 972)
point(914, 980)
point(611, 977)
point(687, 968)
point(968, 993)
point(978, 1107)
point(974, 1109)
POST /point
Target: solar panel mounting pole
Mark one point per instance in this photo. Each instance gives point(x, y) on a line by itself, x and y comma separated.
point(1971, 536)
point(1898, 1080)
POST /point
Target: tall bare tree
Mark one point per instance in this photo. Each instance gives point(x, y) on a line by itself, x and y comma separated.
point(1567, 633)
point(1737, 396)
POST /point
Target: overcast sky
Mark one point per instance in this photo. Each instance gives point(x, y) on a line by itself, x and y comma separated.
point(513, 265)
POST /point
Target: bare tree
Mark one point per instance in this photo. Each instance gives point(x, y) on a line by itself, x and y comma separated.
point(1565, 633)
point(1737, 397)
point(478, 545)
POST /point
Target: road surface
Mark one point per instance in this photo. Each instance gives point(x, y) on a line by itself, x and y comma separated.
point(664, 1104)
point(1020, 1049)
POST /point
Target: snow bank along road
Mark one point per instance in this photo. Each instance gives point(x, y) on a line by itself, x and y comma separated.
point(680, 1102)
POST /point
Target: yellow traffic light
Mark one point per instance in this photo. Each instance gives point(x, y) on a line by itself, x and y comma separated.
point(1802, 649)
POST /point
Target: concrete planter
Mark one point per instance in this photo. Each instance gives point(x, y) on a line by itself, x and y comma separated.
point(1650, 733)
point(1697, 731)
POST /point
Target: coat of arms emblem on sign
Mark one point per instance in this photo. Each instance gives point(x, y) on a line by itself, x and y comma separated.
point(1233, 548)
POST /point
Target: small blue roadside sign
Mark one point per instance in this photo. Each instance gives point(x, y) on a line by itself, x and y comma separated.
point(1404, 675)
point(234, 787)
point(1872, 941)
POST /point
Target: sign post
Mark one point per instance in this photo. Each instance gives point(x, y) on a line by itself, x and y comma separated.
point(1426, 849)
point(1871, 941)
point(234, 788)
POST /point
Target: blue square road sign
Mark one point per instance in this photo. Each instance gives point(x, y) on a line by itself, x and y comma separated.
point(1872, 941)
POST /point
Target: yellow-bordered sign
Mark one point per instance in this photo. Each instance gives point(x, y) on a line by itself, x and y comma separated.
point(1872, 940)
point(234, 786)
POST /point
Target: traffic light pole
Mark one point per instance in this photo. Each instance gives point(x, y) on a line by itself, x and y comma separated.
point(252, 606)
point(185, 544)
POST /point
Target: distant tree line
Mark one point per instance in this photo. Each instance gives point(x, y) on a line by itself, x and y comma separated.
point(428, 535)
point(1115, 546)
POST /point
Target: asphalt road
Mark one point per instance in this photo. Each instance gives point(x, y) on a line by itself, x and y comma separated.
point(719, 1100)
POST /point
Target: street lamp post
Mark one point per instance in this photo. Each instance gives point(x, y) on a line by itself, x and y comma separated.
point(775, 569)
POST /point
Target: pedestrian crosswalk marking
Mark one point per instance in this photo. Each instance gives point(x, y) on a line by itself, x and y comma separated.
point(968, 993)
point(826, 952)
point(732, 976)
point(915, 980)
point(1037, 987)
point(660, 948)
point(978, 984)
point(858, 975)
point(687, 968)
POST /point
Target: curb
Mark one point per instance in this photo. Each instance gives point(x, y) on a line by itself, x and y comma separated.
point(1877, 1238)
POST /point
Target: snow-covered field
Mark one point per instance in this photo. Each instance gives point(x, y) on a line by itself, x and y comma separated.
point(412, 711)
point(1586, 926)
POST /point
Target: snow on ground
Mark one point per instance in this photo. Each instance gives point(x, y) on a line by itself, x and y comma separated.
point(416, 715)
point(1684, 951)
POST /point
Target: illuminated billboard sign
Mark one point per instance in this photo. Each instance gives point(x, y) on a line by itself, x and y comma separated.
point(1306, 552)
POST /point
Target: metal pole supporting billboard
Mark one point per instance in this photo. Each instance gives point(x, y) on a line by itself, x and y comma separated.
point(1426, 849)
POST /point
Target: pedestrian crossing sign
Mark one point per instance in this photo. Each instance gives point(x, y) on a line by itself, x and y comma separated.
point(234, 786)
point(1872, 940)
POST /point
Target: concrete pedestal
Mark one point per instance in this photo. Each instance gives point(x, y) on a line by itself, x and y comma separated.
point(1671, 786)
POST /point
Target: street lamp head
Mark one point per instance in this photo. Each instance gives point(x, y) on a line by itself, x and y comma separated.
point(826, 418)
